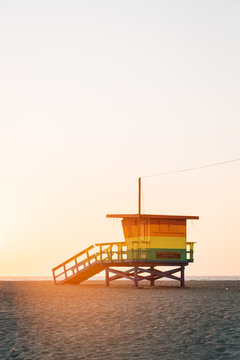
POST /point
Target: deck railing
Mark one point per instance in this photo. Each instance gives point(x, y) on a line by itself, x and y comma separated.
point(189, 250)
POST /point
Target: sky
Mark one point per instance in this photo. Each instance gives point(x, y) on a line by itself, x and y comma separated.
point(93, 95)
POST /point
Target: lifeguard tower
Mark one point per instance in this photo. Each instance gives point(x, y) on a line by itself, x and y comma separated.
point(151, 241)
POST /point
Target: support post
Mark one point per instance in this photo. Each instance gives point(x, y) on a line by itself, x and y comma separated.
point(107, 277)
point(152, 278)
point(135, 276)
point(182, 276)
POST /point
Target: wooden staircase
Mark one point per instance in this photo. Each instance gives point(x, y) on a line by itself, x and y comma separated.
point(88, 262)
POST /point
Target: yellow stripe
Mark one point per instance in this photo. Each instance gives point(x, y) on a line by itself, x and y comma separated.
point(155, 242)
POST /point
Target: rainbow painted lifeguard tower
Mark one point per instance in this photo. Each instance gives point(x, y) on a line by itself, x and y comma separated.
point(151, 241)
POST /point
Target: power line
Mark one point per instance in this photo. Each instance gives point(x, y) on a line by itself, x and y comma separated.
point(191, 169)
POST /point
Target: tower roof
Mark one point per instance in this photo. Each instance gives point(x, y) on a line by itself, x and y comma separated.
point(148, 216)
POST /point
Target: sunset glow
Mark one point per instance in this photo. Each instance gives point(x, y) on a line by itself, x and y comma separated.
point(95, 95)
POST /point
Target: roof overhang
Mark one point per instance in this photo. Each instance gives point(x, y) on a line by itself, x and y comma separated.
point(148, 216)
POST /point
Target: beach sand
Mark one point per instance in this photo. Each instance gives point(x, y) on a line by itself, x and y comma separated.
point(39, 320)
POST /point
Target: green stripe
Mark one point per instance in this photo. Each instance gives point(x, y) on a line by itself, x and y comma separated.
point(151, 254)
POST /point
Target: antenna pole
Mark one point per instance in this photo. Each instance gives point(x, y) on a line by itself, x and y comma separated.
point(139, 196)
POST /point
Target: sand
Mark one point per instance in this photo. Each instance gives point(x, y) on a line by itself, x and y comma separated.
point(39, 320)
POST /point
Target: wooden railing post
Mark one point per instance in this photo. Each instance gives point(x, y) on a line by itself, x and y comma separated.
point(65, 271)
point(88, 258)
point(54, 278)
point(76, 267)
point(191, 251)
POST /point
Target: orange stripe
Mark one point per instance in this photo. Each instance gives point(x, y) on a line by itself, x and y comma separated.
point(166, 230)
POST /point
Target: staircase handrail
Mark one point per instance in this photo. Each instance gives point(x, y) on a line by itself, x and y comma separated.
point(73, 257)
